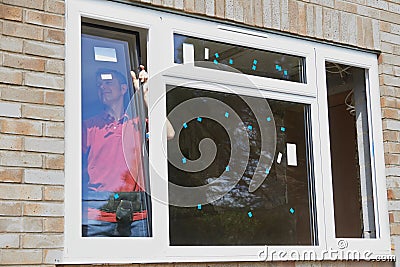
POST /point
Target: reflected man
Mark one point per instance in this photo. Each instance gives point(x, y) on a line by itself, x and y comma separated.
point(114, 203)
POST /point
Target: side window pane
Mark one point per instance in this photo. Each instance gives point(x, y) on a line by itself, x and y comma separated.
point(350, 151)
point(235, 58)
point(242, 139)
point(114, 147)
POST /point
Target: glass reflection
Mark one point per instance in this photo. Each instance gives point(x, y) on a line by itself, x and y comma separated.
point(278, 212)
point(250, 61)
point(114, 173)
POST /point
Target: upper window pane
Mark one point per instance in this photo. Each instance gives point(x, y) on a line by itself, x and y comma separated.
point(235, 58)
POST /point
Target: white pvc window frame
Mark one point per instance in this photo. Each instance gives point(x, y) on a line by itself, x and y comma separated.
point(161, 27)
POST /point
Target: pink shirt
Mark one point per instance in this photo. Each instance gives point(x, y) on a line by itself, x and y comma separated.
point(114, 160)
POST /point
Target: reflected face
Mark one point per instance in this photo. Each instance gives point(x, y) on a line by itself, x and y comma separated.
point(111, 91)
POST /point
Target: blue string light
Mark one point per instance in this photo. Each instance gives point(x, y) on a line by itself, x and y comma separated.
point(227, 168)
point(250, 127)
point(216, 55)
point(226, 114)
point(215, 61)
point(254, 67)
point(231, 61)
point(184, 160)
point(199, 119)
point(291, 210)
point(250, 214)
point(199, 206)
point(283, 129)
point(269, 119)
point(185, 125)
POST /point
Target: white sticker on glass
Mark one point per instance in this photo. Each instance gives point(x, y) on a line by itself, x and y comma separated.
point(291, 154)
point(279, 159)
point(188, 53)
point(106, 76)
point(105, 54)
point(206, 53)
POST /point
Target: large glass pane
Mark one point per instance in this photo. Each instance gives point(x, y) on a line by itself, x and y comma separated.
point(245, 131)
point(229, 57)
point(114, 149)
point(350, 151)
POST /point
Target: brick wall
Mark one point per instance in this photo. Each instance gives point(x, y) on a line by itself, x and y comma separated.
point(31, 131)
point(32, 100)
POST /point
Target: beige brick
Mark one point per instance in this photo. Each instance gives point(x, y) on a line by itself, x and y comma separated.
point(9, 240)
point(54, 193)
point(52, 256)
point(54, 98)
point(10, 208)
point(20, 192)
point(238, 12)
point(12, 44)
point(22, 94)
point(44, 80)
point(377, 4)
point(348, 23)
point(286, 17)
point(21, 256)
point(276, 14)
point(24, 127)
point(21, 225)
point(248, 12)
point(310, 18)
point(390, 113)
point(22, 30)
point(44, 49)
point(220, 8)
point(390, 38)
point(389, 17)
point(54, 129)
point(11, 175)
point(258, 13)
point(20, 159)
point(367, 11)
point(388, 102)
point(392, 159)
point(53, 225)
point(291, 15)
point(42, 144)
point(325, 3)
point(10, 76)
point(38, 176)
point(54, 36)
point(43, 209)
point(8, 109)
point(44, 19)
point(391, 80)
point(55, 162)
point(43, 112)
point(36, 4)
point(55, 66)
point(54, 6)
point(395, 228)
point(394, 7)
point(42, 241)
point(346, 6)
point(384, 26)
point(267, 14)
point(10, 142)
point(229, 9)
point(10, 12)
point(23, 62)
point(210, 7)
point(189, 5)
